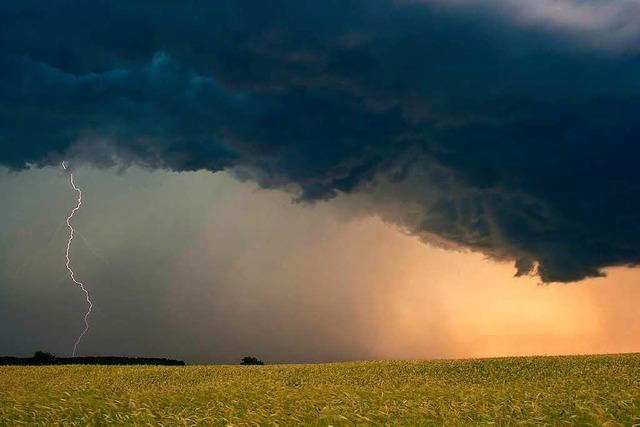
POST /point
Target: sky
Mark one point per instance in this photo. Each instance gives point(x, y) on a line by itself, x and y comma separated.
point(314, 181)
point(205, 268)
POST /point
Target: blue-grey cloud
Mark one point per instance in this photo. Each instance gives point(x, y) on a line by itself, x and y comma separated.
point(513, 128)
point(612, 25)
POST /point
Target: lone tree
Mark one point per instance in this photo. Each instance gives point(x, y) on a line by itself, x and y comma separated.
point(43, 356)
point(250, 360)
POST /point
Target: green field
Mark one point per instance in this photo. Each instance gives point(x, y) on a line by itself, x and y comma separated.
point(536, 390)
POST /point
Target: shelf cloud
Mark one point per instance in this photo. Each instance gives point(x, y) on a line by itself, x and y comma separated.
point(509, 128)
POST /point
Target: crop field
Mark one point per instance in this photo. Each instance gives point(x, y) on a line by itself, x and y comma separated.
point(533, 390)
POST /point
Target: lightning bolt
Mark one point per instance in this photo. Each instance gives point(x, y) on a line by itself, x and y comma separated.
point(68, 259)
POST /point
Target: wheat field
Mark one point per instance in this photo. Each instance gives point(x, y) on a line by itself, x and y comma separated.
point(530, 390)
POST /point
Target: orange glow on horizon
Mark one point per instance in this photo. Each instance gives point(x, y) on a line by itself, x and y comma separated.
point(459, 304)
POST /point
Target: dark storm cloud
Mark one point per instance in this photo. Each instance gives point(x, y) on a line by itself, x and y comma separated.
point(514, 127)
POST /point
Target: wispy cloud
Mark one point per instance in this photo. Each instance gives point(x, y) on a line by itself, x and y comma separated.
point(605, 24)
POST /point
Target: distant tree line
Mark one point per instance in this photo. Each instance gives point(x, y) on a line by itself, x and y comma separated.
point(44, 358)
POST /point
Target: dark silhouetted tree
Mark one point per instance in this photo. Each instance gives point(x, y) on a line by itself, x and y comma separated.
point(250, 360)
point(43, 356)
